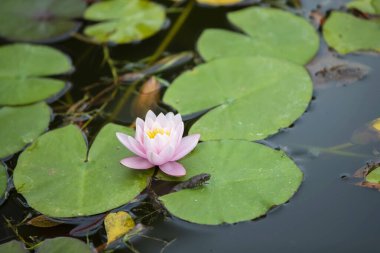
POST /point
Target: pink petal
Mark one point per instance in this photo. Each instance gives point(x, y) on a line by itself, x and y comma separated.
point(131, 144)
point(177, 118)
point(187, 144)
point(163, 157)
point(173, 169)
point(161, 119)
point(139, 123)
point(150, 115)
point(136, 162)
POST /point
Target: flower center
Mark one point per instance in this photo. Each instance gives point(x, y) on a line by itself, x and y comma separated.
point(152, 133)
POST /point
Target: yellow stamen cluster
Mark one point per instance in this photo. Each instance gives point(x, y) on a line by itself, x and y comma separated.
point(152, 133)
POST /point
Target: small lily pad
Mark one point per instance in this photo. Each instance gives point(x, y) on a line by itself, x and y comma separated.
point(247, 97)
point(59, 179)
point(374, 176)
point(22, 67)
point(123, 21)
point(366, 6)
point(39, 20)
point(346, 33)
point(268, 32)
point(247, 180)
point(63, 245)
point(21, 125)
point(13, 247)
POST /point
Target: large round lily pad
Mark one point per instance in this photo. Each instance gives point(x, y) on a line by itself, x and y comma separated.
point(253, 96)
point(247, 179)
point(13, 247)
point(63, 245)
point(268, 32)
point(59, 179)
point(22, 67)
point(21, 125)
point(39, 20)
point(123, 21)
point(346, 33)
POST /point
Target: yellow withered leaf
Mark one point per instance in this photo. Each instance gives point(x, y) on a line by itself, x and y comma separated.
point(117, 225)
point(376, 124)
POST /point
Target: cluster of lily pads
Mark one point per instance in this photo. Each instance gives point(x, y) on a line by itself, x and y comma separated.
point(253, 84)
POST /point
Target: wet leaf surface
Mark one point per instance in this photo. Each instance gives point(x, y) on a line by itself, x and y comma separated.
point(248, 97)
point(39, 20)
point(247, 180)
point(346, 33)
point(21, 125)
point(124, 21)
point(23, 71)
point(268, 32)
point(87, 184)
point(63, 245)
point(13, 247)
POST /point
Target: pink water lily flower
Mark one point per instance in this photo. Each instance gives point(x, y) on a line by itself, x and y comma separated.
point(158, 142)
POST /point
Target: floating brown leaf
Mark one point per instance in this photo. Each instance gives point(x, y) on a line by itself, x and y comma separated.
point(43, 221)
point(147, 98)
point(329, 68)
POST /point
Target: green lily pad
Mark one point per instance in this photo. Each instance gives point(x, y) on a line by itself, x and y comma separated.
point(59, 179)
point(3, 181)
point(247, 180)
point(21, 125)
point(367, 6)
point(346, 33)
point(269, 32)
point(123, 21)
point(21, 69)
point(63, 245)
point(374, 176)
point(253, 97)
point(39, 20)
point(13, 247)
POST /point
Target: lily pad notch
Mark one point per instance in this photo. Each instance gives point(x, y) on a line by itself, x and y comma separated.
point(247, 180)
point(88, 184)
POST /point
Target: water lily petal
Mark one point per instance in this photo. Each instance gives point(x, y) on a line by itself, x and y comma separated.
point(150, 115)
point(173, 169)
point(177, 118)
point(131, 144)
point(161, 120)
point(187, 144)
point(163, 157)
point(139, 136)
point(136, 162)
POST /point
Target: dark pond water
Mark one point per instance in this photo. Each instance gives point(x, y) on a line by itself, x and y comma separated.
point(328, 213)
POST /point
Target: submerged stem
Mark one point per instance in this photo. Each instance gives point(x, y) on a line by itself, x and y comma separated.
point(173, 32)
point(162, 47)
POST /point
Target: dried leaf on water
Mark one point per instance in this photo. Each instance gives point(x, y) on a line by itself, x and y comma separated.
point(329, 68)
point(117, 225)
point(43, 221)
point(148, 97)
